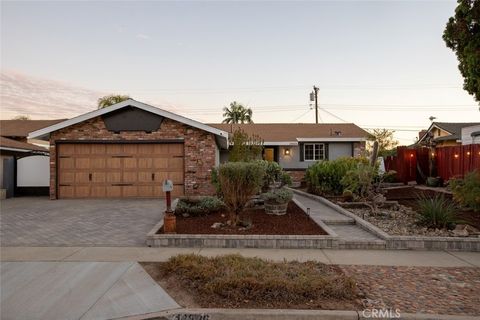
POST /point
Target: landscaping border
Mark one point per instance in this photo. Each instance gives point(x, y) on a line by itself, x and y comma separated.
point(329, 241)
point(403, 242)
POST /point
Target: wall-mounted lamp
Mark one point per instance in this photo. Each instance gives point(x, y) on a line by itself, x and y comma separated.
point(411, 155)
point(468, 153)
point(456, 156)
point(433, 154)
point(286, 151)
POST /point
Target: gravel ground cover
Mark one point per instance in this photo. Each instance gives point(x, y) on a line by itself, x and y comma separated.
point(433, 290)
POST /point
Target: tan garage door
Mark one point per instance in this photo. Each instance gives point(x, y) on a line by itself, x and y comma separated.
point(118, 170)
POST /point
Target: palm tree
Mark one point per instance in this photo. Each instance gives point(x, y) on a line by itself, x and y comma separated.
point(237, 114)
point(110, 100)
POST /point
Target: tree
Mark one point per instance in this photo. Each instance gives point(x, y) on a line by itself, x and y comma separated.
point(386, 142)
point(21, 117)
point(112, 99)
point(462, 35)
point(245, 147)
point(237, 113)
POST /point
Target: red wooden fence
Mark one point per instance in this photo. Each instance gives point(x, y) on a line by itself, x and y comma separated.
point(413, 164)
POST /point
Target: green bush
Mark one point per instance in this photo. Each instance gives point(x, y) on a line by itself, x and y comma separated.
point(390, 176)
point(324, 177)
point(198, 206)
point(467, 191)
point(278, 196)
point(239, 181)
point(273, 172)
point(360, 179)
point(436, 212)
point(286, 179)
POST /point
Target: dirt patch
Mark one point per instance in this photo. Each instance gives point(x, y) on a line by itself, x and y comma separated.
point(295, 222)
point(235, 282)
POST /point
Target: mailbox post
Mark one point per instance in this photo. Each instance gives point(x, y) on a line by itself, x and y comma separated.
point(169, 219)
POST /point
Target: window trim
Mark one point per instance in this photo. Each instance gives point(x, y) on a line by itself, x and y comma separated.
point(314, 144)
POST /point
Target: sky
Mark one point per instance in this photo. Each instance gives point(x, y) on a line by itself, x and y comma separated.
point(378, 64)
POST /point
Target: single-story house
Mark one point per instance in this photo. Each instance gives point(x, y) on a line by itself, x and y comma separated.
point(128, 150)
point(295, 146)
point(444, 134)
point(16, 151)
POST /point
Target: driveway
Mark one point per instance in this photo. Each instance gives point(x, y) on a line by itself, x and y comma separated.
point(38, 221)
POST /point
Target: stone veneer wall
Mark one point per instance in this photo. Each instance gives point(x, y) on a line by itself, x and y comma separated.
point(199, 149)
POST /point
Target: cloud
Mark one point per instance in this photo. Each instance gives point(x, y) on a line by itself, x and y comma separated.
point(43, 99)
point(143, 36)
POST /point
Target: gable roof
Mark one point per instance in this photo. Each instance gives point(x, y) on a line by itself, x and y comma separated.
point(294, 132)
point(453, 128)
point(14, 145)
point(222, 136)
point(21, 128)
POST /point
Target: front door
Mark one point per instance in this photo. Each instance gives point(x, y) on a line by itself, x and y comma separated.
point(269, 154)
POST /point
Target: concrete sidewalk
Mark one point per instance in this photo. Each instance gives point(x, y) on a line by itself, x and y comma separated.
point(329, 256)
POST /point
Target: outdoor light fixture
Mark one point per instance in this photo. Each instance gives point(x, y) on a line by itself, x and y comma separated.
point(287, 151)
point(433, 154)
point(411, 155)
point(456, 155)
point(468, 153)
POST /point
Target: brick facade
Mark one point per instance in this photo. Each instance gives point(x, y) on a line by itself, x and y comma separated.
point(297, 175)
point(200, 149)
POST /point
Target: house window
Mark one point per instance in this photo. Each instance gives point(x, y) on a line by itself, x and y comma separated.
point(313, 151)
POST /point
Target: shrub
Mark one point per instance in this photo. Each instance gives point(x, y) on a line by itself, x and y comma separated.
point(237, 280)
point(467, 191)
point(436, 212)
point(390, 176)
point(278, 196)
point(324, 177)
point(286, 179)
point(239, 181)
point(197, 206)
point(360, 180)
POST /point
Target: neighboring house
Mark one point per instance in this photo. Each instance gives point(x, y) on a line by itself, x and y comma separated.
point(295, 146)
point(128, 150)
point(445, 134)
point(471, 135)
point(18, 153)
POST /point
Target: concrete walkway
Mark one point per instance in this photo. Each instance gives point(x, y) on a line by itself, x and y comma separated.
point(329, 256)
point(79, 290)
point(345, 227)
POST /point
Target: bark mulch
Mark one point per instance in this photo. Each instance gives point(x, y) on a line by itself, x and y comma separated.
point(433, 290)
point(295, 222)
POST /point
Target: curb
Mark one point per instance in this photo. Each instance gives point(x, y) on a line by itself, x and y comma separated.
point(283, 314)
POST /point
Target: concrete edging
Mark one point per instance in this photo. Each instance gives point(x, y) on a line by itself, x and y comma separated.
point(404, 242)
point(286, 314)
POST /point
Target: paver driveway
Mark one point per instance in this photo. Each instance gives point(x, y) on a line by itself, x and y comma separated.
point(38, 221)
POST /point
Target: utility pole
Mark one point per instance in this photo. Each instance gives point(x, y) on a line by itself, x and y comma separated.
point(314, 97)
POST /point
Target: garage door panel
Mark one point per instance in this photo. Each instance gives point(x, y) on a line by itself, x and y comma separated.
point(130, 191)
point(99, 192)
point(160, 149)
point(130, 177)
point(114, 177)
point(175, 149)
point(113, 192)
point(160, 163)
point(176, 177)
point(175, 163)
point(146, 176)
point(145, 191)
point(145, 163)
point(160, 176)
point(82, 177)
point(82, 163)
point(113, 149)
point(66, 149)
point(98, 163)
point(130, 149)
point(66, 163)
point(130, 163)
point(82, 191)
point(83, 149)
point(99, 177)
point(66, 192)
point(98, 149)
point(114, 163)
point(67, 178)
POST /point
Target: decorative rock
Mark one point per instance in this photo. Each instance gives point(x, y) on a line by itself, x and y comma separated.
point(217, 225)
